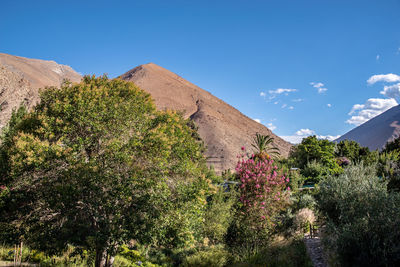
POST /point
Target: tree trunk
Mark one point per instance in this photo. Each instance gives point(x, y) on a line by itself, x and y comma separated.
point(101, 258)
point(110, 261)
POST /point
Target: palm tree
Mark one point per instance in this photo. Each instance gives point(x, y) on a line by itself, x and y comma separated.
point(264, 145)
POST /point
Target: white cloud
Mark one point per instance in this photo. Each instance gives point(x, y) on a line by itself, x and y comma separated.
point(298, 100)
point(391, 91)
point(294, 139)
point(319, 86)
point(291, 107)
point(303, 133)
point(263, 94)
point(378, 57)
point(373, 107)
point(271, 126)
point(276, 102)
point(328, 137)
point(284, 106)
point(329, 105)
point(390, 78)
point(281, 91)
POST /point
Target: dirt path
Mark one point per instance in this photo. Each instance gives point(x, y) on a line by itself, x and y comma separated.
point(314, 249)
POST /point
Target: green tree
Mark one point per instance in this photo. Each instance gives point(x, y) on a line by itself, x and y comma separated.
point(322, 152)
point(99, 166)
point(355, 152)
point(6, 141)
point(9, 234)
point(393, 145)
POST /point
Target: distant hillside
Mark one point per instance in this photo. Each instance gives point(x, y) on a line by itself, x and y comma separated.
point(376, 132)
point(223, 128)
point(21, 78)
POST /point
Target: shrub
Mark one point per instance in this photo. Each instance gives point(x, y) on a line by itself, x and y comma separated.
point(314, 171)
point(216, 257)
point(388, 167)
point(304, 218)
point(288, 225)
point(218, 215)
point(362, 218)
point(263, 195)
point(306, 201)
point(280, 253)
point(130, 254)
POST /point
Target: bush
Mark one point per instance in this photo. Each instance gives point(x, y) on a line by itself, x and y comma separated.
point(216, 257)
point(314, 172)
point(362, 218)
point(306, 201)
point(130, 254)
point(263, 195)
point(289, 225)
point(290, 252)
point(304, 218)
point(388, 167)
point(219, 215)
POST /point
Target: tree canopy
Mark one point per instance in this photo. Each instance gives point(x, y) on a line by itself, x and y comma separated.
point(95, 165)
point(316, 156)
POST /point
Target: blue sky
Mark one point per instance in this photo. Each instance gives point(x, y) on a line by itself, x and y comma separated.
point(300, 67)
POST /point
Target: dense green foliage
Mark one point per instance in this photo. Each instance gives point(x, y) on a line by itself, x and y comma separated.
point(280, 253)
point(95, 165)
point(362, 218)
point(315, 158)
point(355, 153)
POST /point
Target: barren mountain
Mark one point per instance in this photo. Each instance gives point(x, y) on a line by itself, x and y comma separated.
point(21, 78)
point(223, 128)
point(376, 132)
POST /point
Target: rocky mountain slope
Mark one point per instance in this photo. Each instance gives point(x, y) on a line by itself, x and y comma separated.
point(223, 128)
point(21, 78)
point(376, 132)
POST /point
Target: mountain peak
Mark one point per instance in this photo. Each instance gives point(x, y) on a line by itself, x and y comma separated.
point(223, 128)
point(376, 132)
point(21, 78)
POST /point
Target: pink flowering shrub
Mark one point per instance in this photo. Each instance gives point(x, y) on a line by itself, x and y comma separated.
point(263, 194)
point(263, 190)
